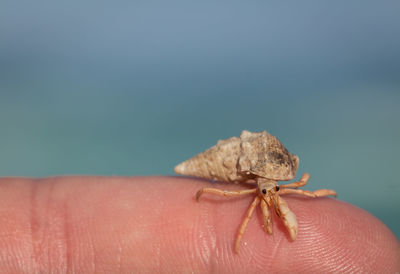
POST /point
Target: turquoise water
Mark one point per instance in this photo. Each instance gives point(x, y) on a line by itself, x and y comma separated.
point(135, 88)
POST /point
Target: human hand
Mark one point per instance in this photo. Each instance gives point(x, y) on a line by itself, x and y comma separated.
point(153, 224)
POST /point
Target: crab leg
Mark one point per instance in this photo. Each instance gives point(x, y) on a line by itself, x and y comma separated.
point(287, 216)
point(302, 182)
point(317, 193)
point(245, 221)
point(225, 193)
point(267, 217)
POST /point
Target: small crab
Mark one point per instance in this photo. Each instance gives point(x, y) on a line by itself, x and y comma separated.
point(258, 158)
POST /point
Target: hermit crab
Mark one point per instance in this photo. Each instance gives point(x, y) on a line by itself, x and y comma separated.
point(258, 158)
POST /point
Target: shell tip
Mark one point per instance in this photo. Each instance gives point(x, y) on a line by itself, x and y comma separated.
point(180, 169)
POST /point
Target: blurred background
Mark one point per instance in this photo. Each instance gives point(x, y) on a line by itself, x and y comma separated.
point(135, 87)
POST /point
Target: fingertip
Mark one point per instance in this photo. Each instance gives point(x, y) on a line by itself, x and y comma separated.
point(114, 221)
point(341, 237)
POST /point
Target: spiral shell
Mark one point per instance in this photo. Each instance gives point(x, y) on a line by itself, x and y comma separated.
point(254, 154)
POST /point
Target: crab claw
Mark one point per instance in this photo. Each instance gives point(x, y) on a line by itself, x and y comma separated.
point(288, 217)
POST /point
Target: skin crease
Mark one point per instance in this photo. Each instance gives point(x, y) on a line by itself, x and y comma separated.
point(153, 224)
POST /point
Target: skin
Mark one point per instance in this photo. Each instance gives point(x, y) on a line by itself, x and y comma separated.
point(154, 224)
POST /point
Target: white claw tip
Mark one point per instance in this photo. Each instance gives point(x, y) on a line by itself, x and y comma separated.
point(293, 234)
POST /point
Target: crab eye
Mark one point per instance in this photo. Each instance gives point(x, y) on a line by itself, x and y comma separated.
point(277, 188)
point(264, 191)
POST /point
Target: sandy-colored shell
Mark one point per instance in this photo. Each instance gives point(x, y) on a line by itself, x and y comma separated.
point(238, 159)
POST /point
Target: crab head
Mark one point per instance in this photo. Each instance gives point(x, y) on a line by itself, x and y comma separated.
point(268, 190)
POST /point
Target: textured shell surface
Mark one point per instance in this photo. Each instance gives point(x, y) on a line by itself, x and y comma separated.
point(262, 154)
point(254, 154)
point(216, 163)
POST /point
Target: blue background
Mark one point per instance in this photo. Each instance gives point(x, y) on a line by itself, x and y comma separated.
point(135, 87)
